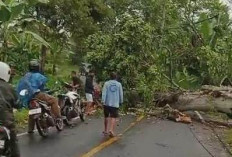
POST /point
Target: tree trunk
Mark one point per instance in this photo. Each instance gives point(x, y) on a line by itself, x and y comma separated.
point(54, 69)
point(43, 57)
point(198, 101)
point(213, 39)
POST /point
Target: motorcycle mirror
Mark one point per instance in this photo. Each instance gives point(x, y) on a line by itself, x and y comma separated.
point(23, 92)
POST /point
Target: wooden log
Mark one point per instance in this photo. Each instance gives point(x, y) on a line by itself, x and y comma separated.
point(197, 101)
point(161, 99)
point(215, 88)
point(205, 120)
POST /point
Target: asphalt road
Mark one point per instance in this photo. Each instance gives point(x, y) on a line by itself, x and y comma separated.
point(161, 139)
point(71, 142)
point(147, 138)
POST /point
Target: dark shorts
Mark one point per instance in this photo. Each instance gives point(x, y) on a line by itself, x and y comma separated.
point(110, 112)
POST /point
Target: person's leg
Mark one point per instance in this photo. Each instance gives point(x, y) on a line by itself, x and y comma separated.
point(31, 124)
point(113, 118)
point(106, 120)
point(52, 101)
point(112, 126)
point(14, 143)
point(8, 122)
point(89, 99)
point(88, 106)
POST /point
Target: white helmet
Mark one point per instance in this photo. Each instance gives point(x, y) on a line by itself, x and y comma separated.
point(5, 71)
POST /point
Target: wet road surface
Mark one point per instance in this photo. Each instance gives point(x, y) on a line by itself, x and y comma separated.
point(147, 138)
point(156, 139)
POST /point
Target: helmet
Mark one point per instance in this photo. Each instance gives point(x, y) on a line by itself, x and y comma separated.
point(5, 71)
point(34, 65)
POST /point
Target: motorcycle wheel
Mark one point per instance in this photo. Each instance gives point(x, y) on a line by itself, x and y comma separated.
point(42, 127)
point(82, 113)
point(60, 125)
point(67, 120)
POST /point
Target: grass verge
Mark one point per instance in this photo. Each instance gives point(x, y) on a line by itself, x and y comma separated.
point(21, 118)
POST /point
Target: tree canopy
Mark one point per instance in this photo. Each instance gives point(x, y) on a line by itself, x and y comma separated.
point(152, 44)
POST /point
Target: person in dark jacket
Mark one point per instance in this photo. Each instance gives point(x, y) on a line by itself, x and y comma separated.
point(89, 89)
point(8, 101)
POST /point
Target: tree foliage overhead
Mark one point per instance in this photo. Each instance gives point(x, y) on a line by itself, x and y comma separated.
point(159, 44)
point(153, 44)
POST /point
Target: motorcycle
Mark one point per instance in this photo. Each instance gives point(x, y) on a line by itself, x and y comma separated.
point(5, 150)
point(71, 106)
point(40, 112)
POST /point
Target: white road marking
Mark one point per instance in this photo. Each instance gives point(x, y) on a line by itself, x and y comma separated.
point(25, 133)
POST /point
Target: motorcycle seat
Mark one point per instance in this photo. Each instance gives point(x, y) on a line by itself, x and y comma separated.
point(42, 103)
point(62, 95)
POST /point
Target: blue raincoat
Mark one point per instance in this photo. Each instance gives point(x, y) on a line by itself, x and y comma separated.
point(33, 83)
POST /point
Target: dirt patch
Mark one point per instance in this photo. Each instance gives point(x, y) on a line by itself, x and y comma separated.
point(207, 138)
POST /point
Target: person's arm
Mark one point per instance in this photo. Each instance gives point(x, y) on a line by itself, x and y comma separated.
point(76, 86)
point(42, 82)
point(120, 94)
point(104, 91)
point(16, 101)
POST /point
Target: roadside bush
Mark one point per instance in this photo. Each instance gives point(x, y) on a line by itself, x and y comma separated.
point(21, 118)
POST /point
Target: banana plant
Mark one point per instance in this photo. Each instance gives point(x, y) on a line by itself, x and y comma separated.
point(12, 18)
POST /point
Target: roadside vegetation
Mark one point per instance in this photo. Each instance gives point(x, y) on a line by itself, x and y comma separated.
point(21, 118)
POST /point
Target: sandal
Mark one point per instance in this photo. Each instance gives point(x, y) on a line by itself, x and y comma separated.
point(104, 133)
point(111, 134)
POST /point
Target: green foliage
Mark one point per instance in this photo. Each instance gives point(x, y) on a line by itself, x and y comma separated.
point(34, 2)
point(23, 34)
point(130, 51)
point(5, 13)
point(21, 117)
point(187, 81)
point(155, 45)
point(213, 65)
point(38, 38)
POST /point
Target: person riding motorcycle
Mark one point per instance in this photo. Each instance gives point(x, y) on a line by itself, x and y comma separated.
point(8, 101)
point(34, 82)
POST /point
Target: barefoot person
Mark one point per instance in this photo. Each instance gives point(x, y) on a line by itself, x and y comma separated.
point(112, 97)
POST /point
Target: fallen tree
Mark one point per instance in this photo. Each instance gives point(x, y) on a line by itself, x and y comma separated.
point(209, 98)
point(195, 115)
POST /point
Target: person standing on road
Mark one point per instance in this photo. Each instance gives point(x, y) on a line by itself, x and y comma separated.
point(89, 89)
point(112, 98)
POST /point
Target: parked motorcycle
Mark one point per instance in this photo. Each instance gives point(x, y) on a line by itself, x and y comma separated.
point(71, 106)
point(5, 150)
point(41, 113)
